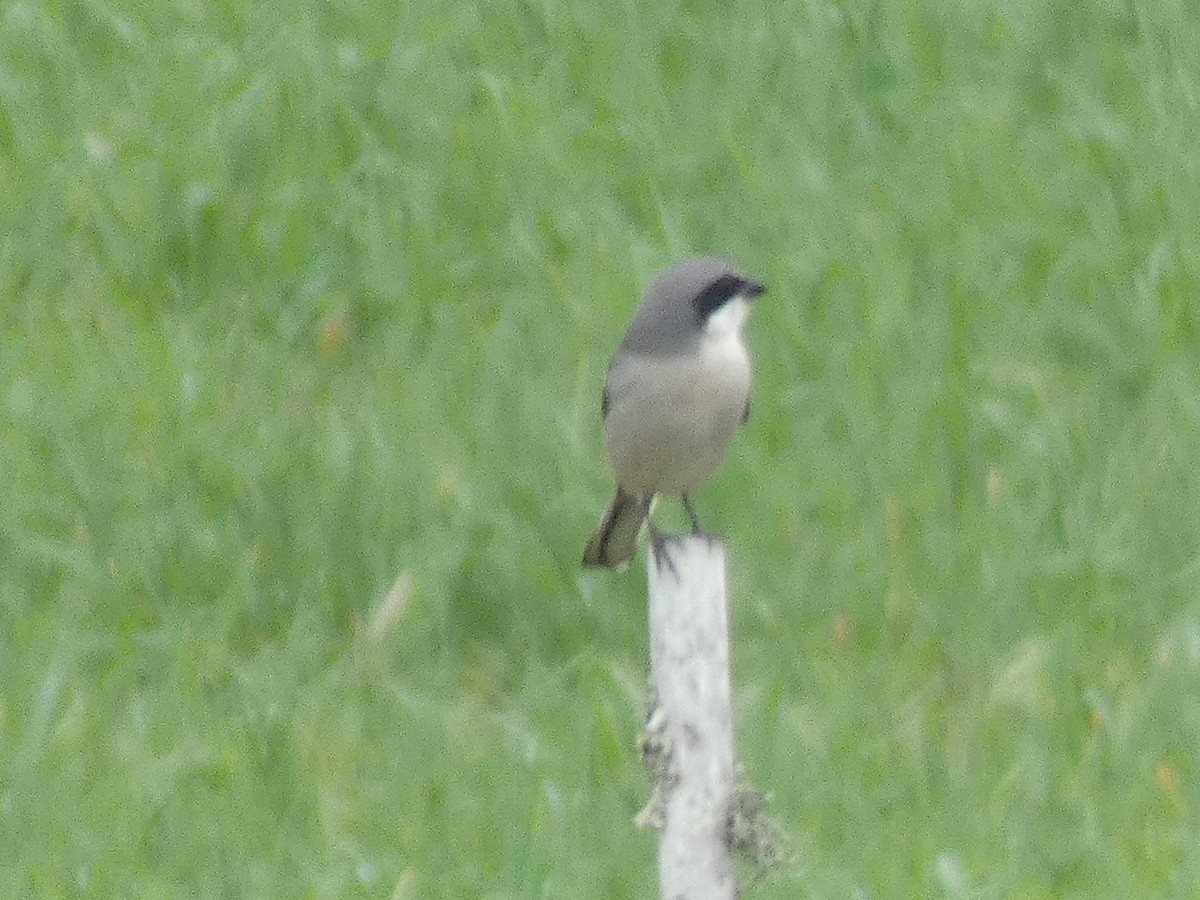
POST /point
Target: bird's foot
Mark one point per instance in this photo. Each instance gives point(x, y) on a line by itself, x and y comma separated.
point(660, 546)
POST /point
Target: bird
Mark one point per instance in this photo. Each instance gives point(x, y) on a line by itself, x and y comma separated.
point(677, 389)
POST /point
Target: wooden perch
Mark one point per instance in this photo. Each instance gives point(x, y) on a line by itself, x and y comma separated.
point(689, 740)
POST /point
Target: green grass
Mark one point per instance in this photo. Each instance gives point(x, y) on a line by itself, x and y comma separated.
point(297, 298)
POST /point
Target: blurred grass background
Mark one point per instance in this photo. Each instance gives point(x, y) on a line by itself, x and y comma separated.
point(297, 300)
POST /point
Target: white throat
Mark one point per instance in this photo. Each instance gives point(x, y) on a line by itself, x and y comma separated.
point(725, 325)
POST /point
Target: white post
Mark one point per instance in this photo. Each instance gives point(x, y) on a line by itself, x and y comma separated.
point(690, 730)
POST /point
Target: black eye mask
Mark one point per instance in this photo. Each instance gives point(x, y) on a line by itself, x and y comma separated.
point(721, 291)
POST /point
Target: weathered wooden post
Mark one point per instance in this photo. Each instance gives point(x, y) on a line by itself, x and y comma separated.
point(689, 740)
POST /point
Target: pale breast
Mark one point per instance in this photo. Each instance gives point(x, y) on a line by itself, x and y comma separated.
point(671, 419)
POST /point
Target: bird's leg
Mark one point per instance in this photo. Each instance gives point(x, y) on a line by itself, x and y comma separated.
point(687, 504)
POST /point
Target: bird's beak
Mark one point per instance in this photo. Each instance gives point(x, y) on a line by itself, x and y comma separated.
point(752, 289)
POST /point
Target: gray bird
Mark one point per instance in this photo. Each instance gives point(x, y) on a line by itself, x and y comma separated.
point(677, 390)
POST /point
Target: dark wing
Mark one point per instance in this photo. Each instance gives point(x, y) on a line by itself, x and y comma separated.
point(746, 412)
point(604, 404)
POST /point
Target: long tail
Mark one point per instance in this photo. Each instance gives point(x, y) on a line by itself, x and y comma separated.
point(615, 541)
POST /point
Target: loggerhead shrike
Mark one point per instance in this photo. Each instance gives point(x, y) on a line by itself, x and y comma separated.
point(677, 390)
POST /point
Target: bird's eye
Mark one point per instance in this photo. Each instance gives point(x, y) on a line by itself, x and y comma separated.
point(717, 294)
